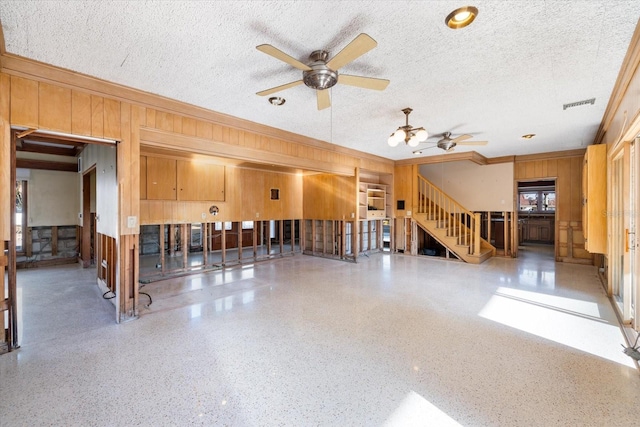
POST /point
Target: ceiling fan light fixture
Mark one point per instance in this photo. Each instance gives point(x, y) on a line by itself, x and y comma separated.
point(393, 141)
point(528, 136)
point(422, 135)
point(410, 135)
point(461, 17)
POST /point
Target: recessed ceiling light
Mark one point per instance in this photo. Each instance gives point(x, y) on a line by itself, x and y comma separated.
point(417, 152)
point(528, 136)
point(461, 17)
point(276, 100)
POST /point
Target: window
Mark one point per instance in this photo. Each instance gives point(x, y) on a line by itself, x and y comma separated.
point(218, 225)
point(537, 201)
point(247, 225)
point(20, 212)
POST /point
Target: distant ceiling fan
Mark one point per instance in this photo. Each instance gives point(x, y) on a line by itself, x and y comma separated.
point(448, 144)
point(321, 74)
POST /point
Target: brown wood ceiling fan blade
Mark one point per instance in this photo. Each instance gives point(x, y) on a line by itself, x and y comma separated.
point(364, 82)
point(279, 88)
point(362, 44)
point(473, 143)
point(324, 101)
point(461, 138)
point(278, 54)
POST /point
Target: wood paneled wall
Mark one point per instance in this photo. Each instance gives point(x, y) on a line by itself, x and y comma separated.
point(248, 198)
point(329, 196)
point(567, 171)
point(404, 183)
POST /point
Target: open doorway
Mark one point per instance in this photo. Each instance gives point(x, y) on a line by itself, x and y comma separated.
point(536, 205)
point(54, 295)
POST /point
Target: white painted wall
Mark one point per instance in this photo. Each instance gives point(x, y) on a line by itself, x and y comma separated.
point(106, 199)
point(476, 187)
point(52, 198)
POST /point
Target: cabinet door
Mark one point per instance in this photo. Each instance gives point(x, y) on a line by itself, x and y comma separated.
point(200, 181)
point(161, 179)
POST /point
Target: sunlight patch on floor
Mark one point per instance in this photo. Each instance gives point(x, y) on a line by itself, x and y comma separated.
point(575, 323)
point(415, 410)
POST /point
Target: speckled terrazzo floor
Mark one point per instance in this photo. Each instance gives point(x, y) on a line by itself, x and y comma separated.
point(390, 341)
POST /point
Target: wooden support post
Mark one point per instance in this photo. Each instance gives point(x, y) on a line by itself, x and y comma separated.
point(205, 244)
point(184, 238)
point(223, 243)
point(54, 240)
point(313, 236)
point(162, 248)
point(343, 240)
point(281, 237)
point(489, 227)
point(506, 233)
point(476, 237)
point(355, 231)
point(256, 229)
point(27, 241)
point(172, 240)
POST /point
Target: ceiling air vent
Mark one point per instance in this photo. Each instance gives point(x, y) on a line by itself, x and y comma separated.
point(577, 104)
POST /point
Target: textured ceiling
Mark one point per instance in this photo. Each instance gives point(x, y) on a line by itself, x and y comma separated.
point(506, 75)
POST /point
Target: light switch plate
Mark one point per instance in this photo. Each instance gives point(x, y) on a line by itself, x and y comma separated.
point(131, 221)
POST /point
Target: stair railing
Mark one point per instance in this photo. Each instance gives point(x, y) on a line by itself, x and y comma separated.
point(437, 205)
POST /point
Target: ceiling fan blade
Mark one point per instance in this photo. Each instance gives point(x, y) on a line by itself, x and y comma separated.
point(279, 88)
point(324, 101)
point(461, 138)
point(473, 143)
point(278, 54)
point(362, 44)
point(364, 82)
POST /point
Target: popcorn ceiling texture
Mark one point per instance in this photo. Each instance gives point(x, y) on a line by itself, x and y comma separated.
point(507, 74)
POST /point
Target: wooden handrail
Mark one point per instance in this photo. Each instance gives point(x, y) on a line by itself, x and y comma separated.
point(437, 205)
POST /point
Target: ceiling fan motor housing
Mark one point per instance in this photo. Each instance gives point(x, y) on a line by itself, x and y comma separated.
point(320, 76)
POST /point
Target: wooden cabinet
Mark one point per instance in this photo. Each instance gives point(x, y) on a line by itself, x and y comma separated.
point(594, 199)
point(537, 229)
point(372, 201)
point(200, 181)
point(161, 179)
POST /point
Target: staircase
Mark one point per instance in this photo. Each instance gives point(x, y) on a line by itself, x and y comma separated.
point(455, 227)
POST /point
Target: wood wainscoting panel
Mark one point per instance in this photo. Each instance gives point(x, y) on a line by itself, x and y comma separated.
point(24, 102)
point(54, 108)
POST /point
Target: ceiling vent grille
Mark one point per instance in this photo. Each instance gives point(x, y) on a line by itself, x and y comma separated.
point(577, 104)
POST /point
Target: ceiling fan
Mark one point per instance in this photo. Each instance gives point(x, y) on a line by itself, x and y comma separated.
point(448, 144)
point(321, 74)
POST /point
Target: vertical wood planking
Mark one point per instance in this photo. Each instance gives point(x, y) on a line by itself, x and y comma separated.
point(164, 121)
point(151, 118)
point(111, 118)
point(80, 113)
point(204, 129)
point(24, 102)
point(189, 126)
point(6, 207)
point(97, 116)
point(54, 108)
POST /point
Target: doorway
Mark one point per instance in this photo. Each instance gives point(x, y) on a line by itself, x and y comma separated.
point(536, 205)
point(51, 294)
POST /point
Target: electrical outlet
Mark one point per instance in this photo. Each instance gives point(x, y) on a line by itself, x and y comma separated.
point(257, 215)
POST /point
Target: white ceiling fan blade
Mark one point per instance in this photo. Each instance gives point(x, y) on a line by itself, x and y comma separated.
point(364, 82)
point(278, 54)
point(279, 88)
point(362, 44)
point(461, 138)
point(473, 143)
point(324, 101)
